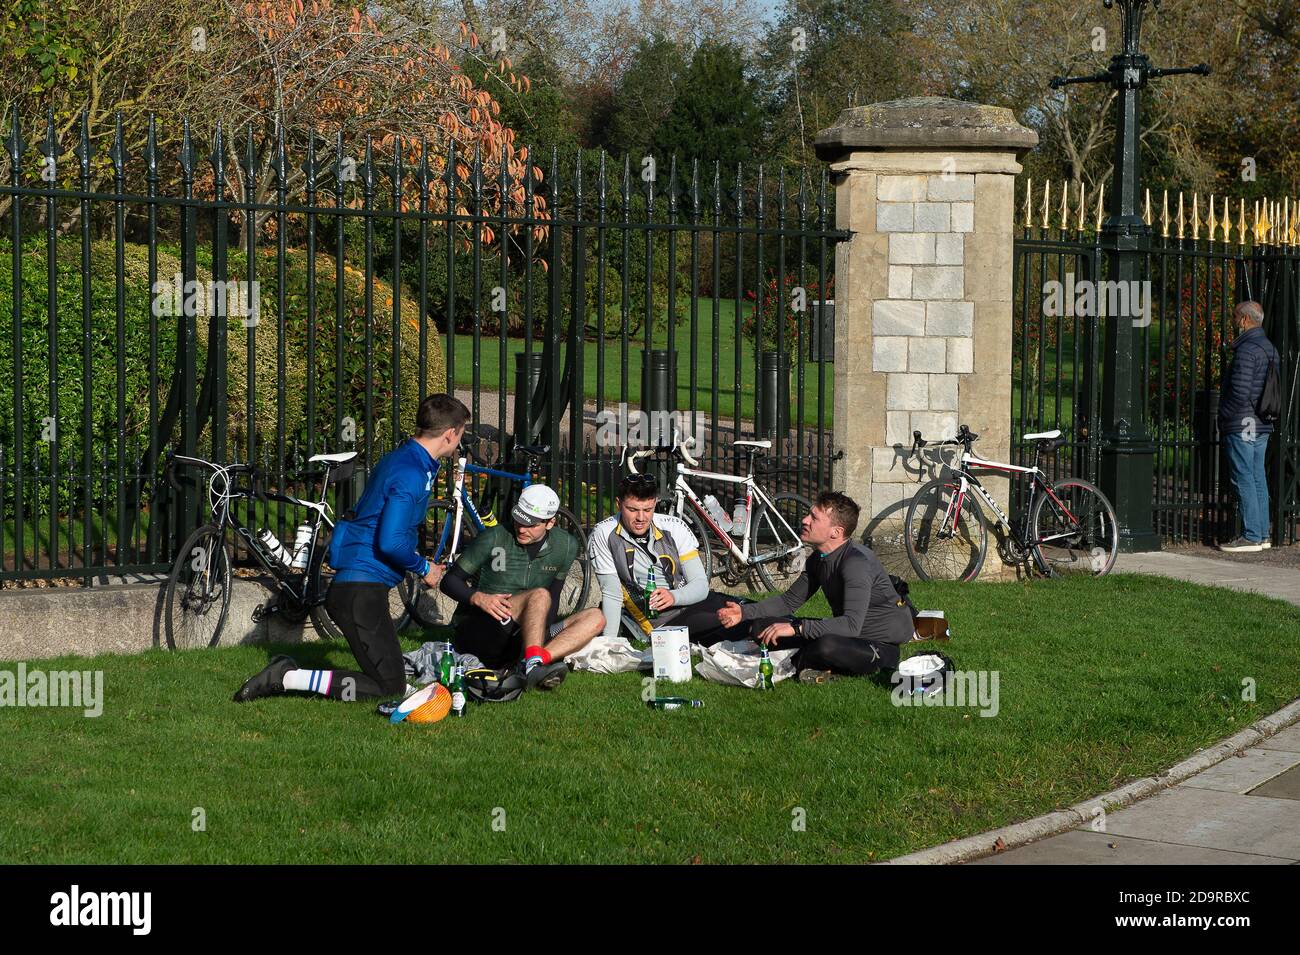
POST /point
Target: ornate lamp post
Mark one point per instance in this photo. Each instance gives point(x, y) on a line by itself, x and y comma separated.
point(1127, 451)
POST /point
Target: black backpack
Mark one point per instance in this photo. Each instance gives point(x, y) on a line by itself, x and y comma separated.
point(901, 588)
point(1269, 406)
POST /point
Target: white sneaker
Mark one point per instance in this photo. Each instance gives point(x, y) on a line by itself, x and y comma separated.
point(1241, 546)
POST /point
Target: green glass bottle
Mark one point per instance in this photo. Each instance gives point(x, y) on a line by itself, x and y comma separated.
point(458, 691)
point(650, 612)
point(446, 664)
point(672, 703)
point(765, 670)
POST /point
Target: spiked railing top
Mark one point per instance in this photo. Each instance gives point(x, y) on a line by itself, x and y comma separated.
point(1273, 221)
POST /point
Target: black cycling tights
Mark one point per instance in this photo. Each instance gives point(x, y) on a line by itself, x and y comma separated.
point(361, 611)
point(851, 656)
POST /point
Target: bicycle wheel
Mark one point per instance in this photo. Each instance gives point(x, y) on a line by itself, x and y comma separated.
point(770, 535)
point(1077, 527)
point(323, 576)
point(577, 584)
point(701, 531)
point(198, 591)
point(942, 542)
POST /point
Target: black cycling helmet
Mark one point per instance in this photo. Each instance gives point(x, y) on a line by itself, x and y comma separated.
point(484, 685)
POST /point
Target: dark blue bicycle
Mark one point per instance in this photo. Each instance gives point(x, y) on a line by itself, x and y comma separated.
point(455, 520)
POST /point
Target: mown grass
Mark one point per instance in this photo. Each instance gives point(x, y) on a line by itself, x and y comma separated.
point(488, 365)
point(1100, 682)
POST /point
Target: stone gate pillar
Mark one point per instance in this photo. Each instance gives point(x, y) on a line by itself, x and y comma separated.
point(922, 293)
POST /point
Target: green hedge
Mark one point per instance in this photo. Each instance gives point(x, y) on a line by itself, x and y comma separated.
point(104, 339)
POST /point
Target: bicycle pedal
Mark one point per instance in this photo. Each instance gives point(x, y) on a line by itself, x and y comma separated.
point(262, 611)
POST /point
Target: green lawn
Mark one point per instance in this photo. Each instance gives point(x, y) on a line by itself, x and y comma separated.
point(489, 365)
point(1100, 682)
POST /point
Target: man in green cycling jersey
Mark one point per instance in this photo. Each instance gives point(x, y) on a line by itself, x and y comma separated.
point(509, 617)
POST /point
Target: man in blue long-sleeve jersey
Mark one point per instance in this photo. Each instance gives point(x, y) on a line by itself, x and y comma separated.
point(371, 552)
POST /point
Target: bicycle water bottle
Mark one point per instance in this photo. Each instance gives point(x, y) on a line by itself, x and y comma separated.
point(300, 546)
point(714, 507)
point(278, 552)
point(740, 517)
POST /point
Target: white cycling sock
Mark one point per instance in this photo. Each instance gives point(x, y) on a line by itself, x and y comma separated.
point(309, 681)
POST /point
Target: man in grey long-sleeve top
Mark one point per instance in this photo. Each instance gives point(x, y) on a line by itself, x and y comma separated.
point(868, 622)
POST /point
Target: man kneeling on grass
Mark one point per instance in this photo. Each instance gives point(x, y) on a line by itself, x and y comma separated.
point(372, 550)
point(868, 622)
point(509, 618)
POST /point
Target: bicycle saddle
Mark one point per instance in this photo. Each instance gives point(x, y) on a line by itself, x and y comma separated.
point(339, 458)
point(537, 450)
point(1044, 435)
point(748, 443)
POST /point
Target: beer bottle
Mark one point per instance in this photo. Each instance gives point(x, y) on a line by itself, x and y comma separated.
point(672, 703)
point(458, 691)
point(765, 670)
point(650, 612)
point(446, 664)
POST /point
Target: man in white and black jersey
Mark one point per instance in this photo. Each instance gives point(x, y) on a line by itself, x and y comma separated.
point(625, 546)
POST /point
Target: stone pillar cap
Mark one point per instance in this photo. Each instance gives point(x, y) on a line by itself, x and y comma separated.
point(925, 124)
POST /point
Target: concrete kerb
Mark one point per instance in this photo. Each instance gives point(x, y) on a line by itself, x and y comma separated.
point(1031, 830)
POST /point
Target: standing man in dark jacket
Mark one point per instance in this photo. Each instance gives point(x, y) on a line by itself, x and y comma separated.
point(1245, 433)
point(869, 621)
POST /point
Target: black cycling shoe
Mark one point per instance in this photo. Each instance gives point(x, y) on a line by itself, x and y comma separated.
point(268, 682)
point(547, 676)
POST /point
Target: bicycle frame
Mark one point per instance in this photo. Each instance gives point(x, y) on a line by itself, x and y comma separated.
point(969, 460)
point(683, 491)
point(465, 504)
point(223, 516)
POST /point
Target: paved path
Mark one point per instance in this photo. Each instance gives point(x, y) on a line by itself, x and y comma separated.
point(1242, 811)
point(1261, 577)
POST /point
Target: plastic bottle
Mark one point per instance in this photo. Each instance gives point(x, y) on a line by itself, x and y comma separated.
point(300, 545)
point(277, 550)
point(739, 517)
point(714, 507)
point(765, 670)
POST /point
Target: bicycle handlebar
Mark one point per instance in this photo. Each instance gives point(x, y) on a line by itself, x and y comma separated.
point(256, 477)
point(964, 438)
point(680, 447)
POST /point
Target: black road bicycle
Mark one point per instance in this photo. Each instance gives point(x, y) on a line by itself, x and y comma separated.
point(198, 591)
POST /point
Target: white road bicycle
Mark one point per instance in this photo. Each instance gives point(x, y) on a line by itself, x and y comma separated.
point(768, 542)
point(1070, 525)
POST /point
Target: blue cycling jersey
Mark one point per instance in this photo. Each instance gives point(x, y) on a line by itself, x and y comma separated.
point(380, 544)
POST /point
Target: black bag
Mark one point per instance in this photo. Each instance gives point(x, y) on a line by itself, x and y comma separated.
point(1269, 406)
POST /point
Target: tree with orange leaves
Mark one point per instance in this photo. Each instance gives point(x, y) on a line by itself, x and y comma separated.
point(304, 68)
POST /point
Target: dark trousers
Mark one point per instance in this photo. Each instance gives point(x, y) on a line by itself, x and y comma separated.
point(849, 656)
point(361, 611)
point(499, 645)
point(702, 620)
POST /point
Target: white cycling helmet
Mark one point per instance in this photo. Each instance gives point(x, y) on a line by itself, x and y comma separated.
point(537, 504)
